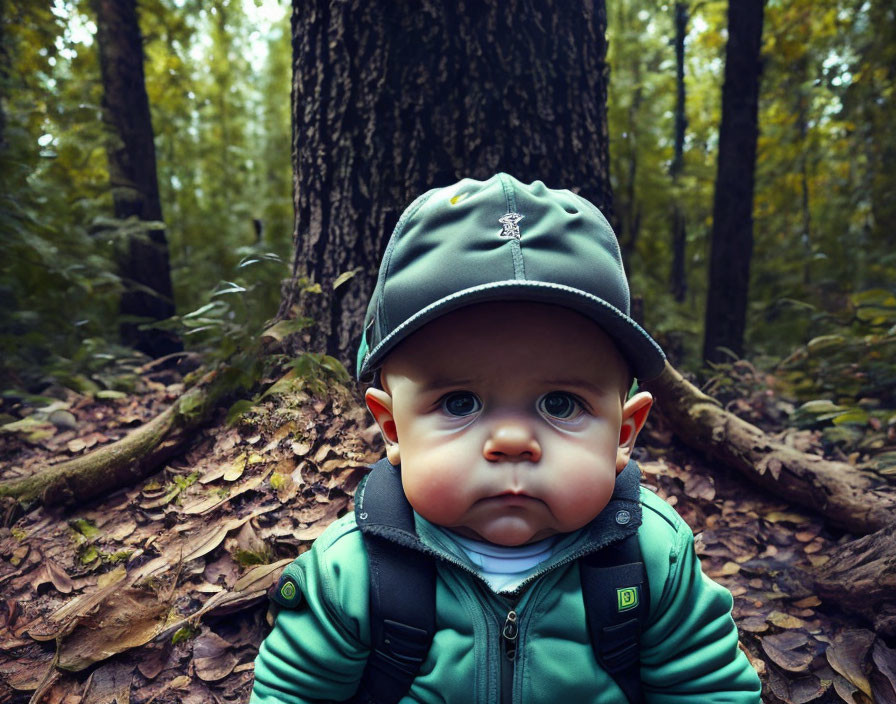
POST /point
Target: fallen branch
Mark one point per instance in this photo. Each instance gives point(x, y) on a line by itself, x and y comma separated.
point(123, 462)
point(849, 498)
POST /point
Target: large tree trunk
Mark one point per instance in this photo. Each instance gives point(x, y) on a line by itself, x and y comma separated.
point(143, 259)
point(391, 99)
point(732, 222)
point(4, 75)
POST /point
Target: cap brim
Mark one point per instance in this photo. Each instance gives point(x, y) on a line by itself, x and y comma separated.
point(644, 355)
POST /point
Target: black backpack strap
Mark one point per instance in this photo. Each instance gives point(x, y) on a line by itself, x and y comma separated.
point(402, 590)
point(617, 600)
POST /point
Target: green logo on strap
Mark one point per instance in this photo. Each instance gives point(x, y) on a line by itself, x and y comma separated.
point(288, 590)
point(627, 598)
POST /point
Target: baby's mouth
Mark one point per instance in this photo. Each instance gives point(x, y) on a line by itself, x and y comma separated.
point(511, 497)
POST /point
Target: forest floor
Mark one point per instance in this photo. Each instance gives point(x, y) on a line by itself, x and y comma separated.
point(157, 592)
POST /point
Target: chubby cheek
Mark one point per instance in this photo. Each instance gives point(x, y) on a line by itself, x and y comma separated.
point(435, 492)
point(581, 498)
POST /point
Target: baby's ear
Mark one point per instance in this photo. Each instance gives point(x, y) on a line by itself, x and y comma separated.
point(380, 404)
point(634, 415)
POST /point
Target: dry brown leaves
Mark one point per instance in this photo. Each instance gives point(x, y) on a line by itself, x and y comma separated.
point(765, 553)
point(158, 593)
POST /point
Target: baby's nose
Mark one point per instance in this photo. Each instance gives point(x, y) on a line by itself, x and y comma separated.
point(512, 442)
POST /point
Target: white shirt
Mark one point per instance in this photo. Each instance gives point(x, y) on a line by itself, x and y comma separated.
point(502, 566)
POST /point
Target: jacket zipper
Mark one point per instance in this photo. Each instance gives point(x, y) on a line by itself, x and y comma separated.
point(507, 656)
point(509, 633)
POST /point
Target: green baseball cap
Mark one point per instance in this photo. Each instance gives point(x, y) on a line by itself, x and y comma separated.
point(500, 240)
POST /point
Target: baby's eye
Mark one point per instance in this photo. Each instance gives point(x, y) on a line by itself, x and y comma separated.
point(461, 403)
point(559, 404)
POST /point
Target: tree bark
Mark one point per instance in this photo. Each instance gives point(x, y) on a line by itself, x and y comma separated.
point(678, 282)
point(847, 497)
point(390, 100)
point(732, 226)
point(4, 77)
point(861, 577)
point(143, 259)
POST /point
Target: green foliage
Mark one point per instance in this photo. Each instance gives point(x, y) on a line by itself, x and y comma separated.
point(822, 213)
point(221, 117)
point(184, 633)
point(853, 368)
point(247, 558)
point(84, 527)
point(316, 370)
point(218, 77)
point(222, 140)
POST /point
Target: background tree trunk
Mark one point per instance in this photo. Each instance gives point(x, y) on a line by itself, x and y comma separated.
point(391, 100)
point(678, 281)
point(4, 76)
point(143, 259)
point(732, 222)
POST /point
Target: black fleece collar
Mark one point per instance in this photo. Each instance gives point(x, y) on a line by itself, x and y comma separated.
point(381, 509)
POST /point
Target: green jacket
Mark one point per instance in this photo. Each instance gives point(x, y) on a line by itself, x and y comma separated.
point(689, 652)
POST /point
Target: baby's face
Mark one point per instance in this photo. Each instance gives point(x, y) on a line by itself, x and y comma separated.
point(508, 420)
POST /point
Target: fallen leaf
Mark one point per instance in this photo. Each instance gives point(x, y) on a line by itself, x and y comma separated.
point(126, 619)
point(818, 560)
point(815, 546)
point(730, 568)
point(28, 669)
point(179, 682)
point(109, 683)
point(152, 660)
point(209, 503)
point(847, 656)
point(788, 640)
point(809, 601)
point(806, 535)
point(235, 469)
point(213, 657)
point(111, 577)
point(754, 624)
point(788, 517)
point(783, 649)
point(322, 453)
point(58, 576)
point(699, 486)
point(261, 576)
point(302, 448)
point(793, 661)
point(848, 691)
point(807, 689)
point(782, 620)
point(76, 445)
point(883, 681)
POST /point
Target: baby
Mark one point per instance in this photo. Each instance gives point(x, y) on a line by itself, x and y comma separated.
point(504, 551)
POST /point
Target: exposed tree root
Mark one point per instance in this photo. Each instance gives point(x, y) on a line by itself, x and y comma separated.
point(861, 577)
point(124, 462)
point(848, 498)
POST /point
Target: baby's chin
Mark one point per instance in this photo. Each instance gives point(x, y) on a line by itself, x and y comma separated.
point(508, 531)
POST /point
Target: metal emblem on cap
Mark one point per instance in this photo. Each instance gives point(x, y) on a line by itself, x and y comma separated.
point(510, 221)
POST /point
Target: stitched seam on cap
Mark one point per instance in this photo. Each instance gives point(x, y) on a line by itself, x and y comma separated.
point(519, 271)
